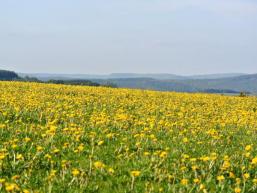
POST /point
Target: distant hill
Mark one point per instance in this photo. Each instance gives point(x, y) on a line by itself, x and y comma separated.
point(232, 83)
point(74, 82)
point(8, 75)
point(215, 76)
point(246, 83)
point(44, 77)
point(150, 84)
point(47, 77)
point(160, 76)
point(163, 85)
point(164, 76)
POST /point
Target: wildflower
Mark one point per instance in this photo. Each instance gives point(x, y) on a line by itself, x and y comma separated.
point(2, 180)
point(254, 161)
point(185, 140)
point(27, 139)
point(16, 177)
point(75, 172)
point(238, 181)
point(226, 165)
point(52, 174)
point(231, 175)
point(184, 181)
point(247, 154)
point(100, 143)
point(194, 167)
point(205, 158)
point(248, 148)
point(56, 151)
point(246, 175)
point(14, 146)
point(111, 170)
point(2, 156)
point(163, 154)
point(39, 148)
point(99, 165)
point(48, 156)
point(135, 173)
point(9, 187)
point(202, 186)
point(220, 178)
point(19, 157)
point(81, 147)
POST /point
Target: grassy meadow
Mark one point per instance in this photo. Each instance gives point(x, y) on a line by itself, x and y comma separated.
point(56, 138)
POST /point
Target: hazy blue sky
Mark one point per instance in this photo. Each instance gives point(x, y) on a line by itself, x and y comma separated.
point(104, 36)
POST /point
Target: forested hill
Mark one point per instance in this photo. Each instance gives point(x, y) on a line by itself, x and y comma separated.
point(8, 75)
point(216, 83)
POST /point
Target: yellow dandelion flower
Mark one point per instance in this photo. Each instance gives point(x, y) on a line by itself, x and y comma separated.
point(75, 172)
point(254, 161)
point(111, 170)
point(196, 180)
point(135, 173)
point(99, 165)
point(246, 175)
point(100, 143)
point(184, 181)
point(220, 178)
point(248, 148)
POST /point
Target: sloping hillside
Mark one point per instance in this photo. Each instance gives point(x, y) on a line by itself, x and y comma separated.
point(150, 84)
point(241, 83)
point(8, 75)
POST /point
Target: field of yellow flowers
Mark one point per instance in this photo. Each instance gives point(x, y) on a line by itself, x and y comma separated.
point(89, 139)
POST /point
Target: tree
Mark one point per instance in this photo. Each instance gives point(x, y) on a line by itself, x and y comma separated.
point(8, 75)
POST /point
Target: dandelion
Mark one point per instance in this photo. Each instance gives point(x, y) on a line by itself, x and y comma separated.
point(135, 173)
point(185, 140)
point(27, 139)
point(254, 161)
point(220, 178)
point(100, 143)
point(184, 181)
point(39, 148)
point(163, 154)
point(99, 165)
point(231, 175)
point(75, 172)
point(19, 157)
point(9, 187)
point(248, 148)
point(246, 176)
point(55, 151)
point(2, 180)
point(111, 170)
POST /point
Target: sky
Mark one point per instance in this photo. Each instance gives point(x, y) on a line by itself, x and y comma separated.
point(183, 37)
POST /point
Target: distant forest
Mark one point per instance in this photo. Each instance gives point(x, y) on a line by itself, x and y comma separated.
point(232, 85)
point(6, 75)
